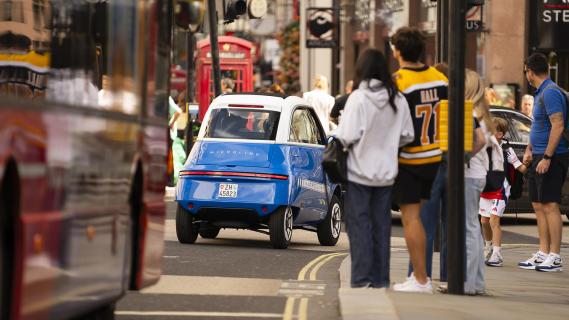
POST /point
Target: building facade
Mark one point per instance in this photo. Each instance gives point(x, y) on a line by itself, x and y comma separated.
point(510, 30)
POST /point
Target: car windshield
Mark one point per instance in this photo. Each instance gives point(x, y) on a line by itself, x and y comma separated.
point(229, 123)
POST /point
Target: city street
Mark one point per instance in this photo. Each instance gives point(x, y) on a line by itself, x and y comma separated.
point(239, 276)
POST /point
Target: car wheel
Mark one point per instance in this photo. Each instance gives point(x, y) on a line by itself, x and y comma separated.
point(186, 229)
point(280, 227)
point(106, 312)
point(329, 230)
point(207, 231)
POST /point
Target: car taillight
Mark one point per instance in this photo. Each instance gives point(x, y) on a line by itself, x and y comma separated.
point(234, 174)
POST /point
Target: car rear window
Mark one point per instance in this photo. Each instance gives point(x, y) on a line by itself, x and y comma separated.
point(229, 123)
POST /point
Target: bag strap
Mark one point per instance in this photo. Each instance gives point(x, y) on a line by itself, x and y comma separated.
point(489, 151)
point(565, 95)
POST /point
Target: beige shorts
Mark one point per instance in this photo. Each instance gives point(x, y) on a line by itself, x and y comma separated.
point(489, 207)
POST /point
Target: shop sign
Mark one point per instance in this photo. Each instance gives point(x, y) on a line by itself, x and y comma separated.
point(474, 19)
point(321, 31)
point(552, 24)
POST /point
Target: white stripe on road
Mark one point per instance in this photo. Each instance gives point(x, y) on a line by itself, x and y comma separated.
point(215, 286)
point(198, 314)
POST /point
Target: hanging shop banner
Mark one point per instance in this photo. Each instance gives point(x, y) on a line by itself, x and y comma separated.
point(474, 19)
point(552, 24)
point(321, 28)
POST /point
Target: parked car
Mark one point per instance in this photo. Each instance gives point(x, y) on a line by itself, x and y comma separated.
point(518, 137)
point(256, 165)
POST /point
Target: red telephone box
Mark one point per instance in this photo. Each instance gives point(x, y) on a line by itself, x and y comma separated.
point(235, 63)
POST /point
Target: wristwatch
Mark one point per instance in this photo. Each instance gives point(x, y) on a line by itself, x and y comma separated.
point(546, 157)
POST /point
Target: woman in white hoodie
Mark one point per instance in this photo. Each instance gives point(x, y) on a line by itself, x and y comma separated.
point(375, 124)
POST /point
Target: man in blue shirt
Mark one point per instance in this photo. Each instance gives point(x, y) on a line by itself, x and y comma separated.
point(549, 155)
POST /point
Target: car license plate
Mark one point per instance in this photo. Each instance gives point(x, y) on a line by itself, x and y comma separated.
point(228, 190)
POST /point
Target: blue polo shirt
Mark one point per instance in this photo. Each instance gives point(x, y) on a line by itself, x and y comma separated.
point(554, 101)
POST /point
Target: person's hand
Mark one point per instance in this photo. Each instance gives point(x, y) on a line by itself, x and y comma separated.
point(543, 166)
point(527, 157)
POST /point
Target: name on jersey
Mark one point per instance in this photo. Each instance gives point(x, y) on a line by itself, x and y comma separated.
point(430, 95)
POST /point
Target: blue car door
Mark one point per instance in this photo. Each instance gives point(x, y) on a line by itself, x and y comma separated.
point(306, 157)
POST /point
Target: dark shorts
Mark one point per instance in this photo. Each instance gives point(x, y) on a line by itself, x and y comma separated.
point(414, 183)
point(546, 188)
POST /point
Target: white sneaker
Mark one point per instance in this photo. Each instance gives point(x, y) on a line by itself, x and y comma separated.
point(553, 263)
point(411, 285)
point(535, 260)
point(495, 260)
point(488, 253)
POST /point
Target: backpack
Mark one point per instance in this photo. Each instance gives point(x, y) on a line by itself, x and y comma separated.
point(494, 178)
point(566, 95)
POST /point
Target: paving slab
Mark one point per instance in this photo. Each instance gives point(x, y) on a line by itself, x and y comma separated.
point(512, 293)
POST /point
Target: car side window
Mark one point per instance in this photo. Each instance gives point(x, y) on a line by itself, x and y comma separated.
point(316, 129)
point(301, 128)
point(522, 126)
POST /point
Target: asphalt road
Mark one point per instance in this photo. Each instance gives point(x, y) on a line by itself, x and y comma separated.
point(239, 275)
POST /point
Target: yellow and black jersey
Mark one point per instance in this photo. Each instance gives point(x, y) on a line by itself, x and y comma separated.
point(424, 88)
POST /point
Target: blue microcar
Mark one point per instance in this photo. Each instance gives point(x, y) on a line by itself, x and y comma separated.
point(256, 165)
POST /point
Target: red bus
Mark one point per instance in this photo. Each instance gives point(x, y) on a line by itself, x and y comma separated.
point(83, 149)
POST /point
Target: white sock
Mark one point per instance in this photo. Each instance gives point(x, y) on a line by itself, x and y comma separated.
point(488, 244)
point(555, 255)
point(497, 249)
point(542, 253)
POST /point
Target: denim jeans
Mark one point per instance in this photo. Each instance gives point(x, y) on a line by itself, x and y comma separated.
point(474, 241)
point(368, 223)
point(430, 219)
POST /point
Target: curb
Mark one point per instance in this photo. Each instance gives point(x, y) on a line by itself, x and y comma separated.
point(362, 304)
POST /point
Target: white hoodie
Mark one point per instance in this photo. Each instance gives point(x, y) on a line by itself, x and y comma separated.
point(374, 134)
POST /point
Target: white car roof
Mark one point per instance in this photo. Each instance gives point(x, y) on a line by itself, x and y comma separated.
point(269, 102)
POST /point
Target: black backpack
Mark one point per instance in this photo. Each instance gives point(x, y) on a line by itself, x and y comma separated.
point(494, 178)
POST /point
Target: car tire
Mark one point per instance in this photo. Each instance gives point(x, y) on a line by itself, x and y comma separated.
point(106, 312)
point(329, 230)
point(280, 227)
point(186, 230)
point(207, 231)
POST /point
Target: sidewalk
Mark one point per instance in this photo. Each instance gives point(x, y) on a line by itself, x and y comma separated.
point(513, 293)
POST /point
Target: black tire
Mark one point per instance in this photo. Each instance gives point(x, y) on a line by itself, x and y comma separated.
point(9, 211)
point(280, 227)
point(186, 230)
point(207, 231)
point(329, 230)
point(106, 312)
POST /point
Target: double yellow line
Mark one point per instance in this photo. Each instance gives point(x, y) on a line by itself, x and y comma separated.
point(313, 267)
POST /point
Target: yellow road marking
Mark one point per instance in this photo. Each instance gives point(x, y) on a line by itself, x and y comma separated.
point(303, 309)
point(315, 264)
point(289, 308)
point(317, 267)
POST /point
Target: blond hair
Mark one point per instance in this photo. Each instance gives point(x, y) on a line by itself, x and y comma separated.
point(474, 90)
point(321, 82)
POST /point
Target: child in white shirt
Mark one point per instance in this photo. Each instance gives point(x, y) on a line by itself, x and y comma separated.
point(493, 202)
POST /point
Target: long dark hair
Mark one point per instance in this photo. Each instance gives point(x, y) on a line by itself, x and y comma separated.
point(372, 65)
